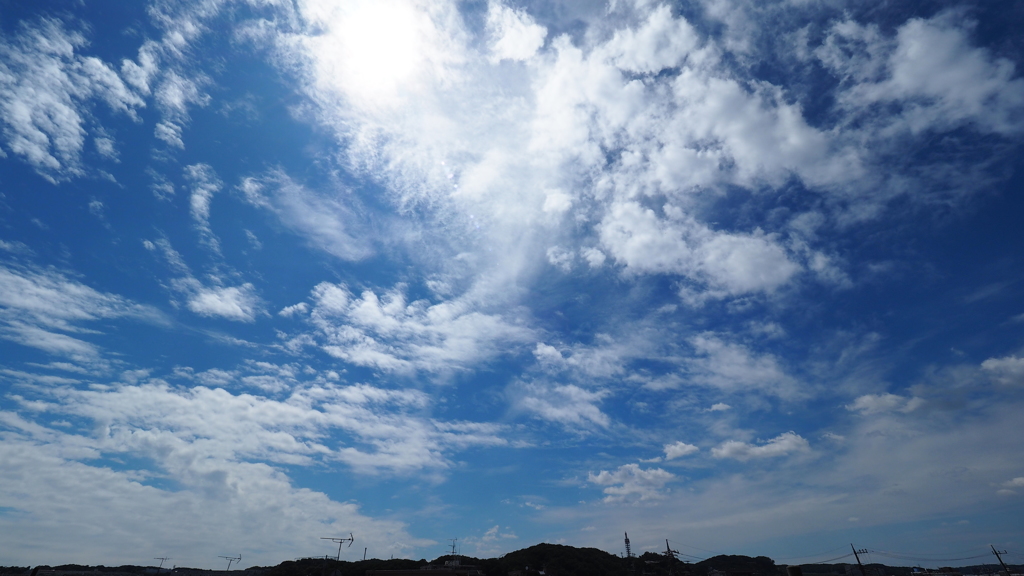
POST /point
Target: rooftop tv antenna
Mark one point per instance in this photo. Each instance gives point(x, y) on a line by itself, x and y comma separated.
point(340, 541)
point(231, 559)
point(162, 560)
point(455, 554)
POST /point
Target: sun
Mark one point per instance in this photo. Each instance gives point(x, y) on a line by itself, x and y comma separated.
point(372, 51)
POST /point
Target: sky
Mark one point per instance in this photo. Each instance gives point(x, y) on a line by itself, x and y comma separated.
point(743, 275)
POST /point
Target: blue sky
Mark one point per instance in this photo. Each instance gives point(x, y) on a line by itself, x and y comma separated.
point(742, 275)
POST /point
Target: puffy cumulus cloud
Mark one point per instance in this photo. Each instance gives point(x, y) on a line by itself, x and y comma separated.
point(328, 222)
point(782, 445)
point(679, 449)
point(1006, 370)
point(649, 89)
point(881, 403)
point(514, 34)
point(568, 405)
point(41, 308)
point(734, 368)
point(392, 334)
point(47, 89)
point(729, 264)
point(625, 129)
point(631, 482)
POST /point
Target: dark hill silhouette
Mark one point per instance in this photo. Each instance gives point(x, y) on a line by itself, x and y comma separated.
point(553, 559)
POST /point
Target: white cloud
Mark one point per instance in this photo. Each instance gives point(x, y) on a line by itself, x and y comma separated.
point(170, 133)
point(392, 334)
point(46, 92)
point(294, 309)
point(625, 128)
point(204, 184)
point(514, 34)
point(679, 449)
point(1017, 482)
point(719, 407)
point(204, 441)
point(930, 67)
point(593, 256)
point(734, 368)
point(881, 403)
point(568, 405)
point(631, 482)
point(39, 307)
point(327, 221)
point(782, 445)
point(731, 264)
point(239, 303)
point(1006, 370)
point(161, 186)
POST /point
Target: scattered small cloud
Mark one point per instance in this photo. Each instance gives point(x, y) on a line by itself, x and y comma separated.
point(782, 445)
point(631, 482)
point(679, 449)
point(880, 403)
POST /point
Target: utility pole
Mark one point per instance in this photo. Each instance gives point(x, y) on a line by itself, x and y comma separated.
point(341, 541)
point(162, 560)
point(997, 553)
point(856, 554)
point(672, 558)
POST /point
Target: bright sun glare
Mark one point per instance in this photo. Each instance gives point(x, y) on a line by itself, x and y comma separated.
point(372, 48)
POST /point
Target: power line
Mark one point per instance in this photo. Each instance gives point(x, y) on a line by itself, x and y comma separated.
point(810, 555)
point(925, 559)
point(831, 559)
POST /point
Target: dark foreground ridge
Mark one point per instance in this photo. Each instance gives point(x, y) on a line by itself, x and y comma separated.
point(539, 560)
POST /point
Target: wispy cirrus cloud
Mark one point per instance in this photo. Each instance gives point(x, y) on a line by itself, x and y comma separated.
point(240, 303)
point(45, 309)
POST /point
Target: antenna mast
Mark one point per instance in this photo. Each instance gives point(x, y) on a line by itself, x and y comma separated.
point(231, 559)
point(629, 556)
point(455, 557)
point(341, 541)
point(162, 560)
